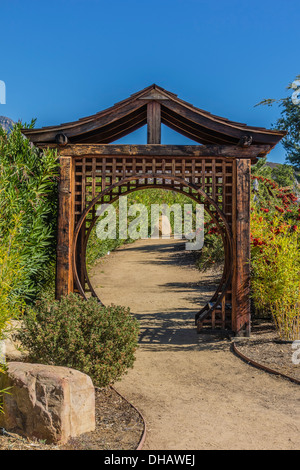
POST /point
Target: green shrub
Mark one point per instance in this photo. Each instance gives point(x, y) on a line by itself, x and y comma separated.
point(11, 306)
point(275, 272)
point(212, 253)
point(97, 248)
point(11, 276)
point(81, 334)
point(28, 190)
point(282, 174)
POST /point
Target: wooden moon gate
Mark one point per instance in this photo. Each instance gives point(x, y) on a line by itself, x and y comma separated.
point(158, 180)
point(216, 173)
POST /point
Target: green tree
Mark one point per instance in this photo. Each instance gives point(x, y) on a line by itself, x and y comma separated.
point(284, 175)
point(290, 122)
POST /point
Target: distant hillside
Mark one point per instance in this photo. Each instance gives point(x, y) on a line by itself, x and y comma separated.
point(272, 164)
point(6, 123)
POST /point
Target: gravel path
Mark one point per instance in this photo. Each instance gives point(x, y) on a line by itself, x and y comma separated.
point(192, 391)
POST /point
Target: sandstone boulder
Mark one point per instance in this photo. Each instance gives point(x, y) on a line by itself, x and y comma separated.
point(47, 402)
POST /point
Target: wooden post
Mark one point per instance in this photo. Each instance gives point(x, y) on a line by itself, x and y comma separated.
point(241, 279)
point(153, 123)
point(65, 228)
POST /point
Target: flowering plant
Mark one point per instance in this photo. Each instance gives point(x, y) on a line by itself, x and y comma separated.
point(275, 269)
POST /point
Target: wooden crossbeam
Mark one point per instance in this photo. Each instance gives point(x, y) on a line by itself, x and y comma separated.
point(156, 150)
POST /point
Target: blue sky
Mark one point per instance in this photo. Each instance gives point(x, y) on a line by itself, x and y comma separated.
point(62, 60)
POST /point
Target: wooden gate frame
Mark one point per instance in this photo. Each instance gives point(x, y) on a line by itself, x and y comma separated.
point(215, 173)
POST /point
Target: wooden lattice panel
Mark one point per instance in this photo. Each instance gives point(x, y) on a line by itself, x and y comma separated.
point(95, 175)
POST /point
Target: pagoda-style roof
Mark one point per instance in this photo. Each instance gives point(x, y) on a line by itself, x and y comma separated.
point(129, 115)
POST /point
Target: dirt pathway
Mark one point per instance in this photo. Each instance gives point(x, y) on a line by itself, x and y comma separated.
point(192, 391)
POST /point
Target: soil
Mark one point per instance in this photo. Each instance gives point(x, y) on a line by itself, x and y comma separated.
point(264, 347)
point(193, 392)
point(118, 427)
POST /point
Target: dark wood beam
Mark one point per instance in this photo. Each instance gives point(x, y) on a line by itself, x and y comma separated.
point(154, 150)
point(66, 195)
point(153, 123)
point(241, 281)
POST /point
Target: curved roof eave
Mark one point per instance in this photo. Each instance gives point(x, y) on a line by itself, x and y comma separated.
point(128, 115)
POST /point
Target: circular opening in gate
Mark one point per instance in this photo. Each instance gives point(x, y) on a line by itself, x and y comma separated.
point(165, 279)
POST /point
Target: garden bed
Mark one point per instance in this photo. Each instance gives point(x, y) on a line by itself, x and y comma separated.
point(264, 348)
point(119, 426)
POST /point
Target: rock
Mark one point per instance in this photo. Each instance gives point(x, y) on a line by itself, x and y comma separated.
point(47, 402)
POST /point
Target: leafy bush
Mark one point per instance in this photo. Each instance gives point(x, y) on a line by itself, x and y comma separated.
point(11, 306)
point(97, 248)
point(11, 276)
point(275, 279)
point(284, 175)
point(275, 256)
point(212, 252)
point(81, 334)
point(28, 190)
